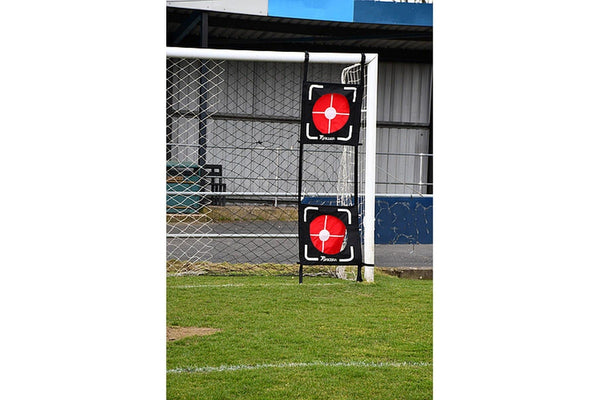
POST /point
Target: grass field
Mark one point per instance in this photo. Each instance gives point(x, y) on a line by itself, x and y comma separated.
point(325, 339)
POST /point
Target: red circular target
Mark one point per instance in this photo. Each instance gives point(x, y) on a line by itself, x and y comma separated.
point(330, 112)
point(327, 234)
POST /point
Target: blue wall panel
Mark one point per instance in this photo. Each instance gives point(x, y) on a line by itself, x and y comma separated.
point(403, 220)
point(377, 12)
point(367, 11)
point(326, 10)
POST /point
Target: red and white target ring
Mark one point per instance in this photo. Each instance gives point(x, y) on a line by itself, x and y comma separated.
point(327, 234)
point(330, 112)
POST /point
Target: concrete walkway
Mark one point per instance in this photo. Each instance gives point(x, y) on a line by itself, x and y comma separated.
point(404, 255)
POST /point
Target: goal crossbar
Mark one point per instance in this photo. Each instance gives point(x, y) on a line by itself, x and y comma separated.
point(371, 62)
point(272, 56)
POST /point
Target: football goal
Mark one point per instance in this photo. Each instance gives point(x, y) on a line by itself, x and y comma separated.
point(232, 144)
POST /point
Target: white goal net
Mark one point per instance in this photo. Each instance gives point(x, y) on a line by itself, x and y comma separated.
point(232, 156)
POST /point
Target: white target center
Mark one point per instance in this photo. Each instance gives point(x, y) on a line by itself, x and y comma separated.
point(330, 113)
point(324, 235)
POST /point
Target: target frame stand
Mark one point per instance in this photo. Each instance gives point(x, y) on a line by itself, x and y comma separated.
point(330, 116)
point(370, 140)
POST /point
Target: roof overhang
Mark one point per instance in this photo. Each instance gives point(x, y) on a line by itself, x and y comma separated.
point(394, 42)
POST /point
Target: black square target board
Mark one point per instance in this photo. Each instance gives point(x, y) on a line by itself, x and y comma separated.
point(329, 235)
point(331, 113)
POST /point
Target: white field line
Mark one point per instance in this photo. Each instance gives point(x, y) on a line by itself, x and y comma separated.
point(224, 368)
point(247, 285)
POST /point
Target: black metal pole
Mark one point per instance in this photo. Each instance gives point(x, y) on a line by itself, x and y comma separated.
point(356, 170)
point(300, 161)
point(430, 147)
point(300, 154)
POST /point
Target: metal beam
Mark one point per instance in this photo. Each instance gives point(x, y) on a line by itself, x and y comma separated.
point(186, 27)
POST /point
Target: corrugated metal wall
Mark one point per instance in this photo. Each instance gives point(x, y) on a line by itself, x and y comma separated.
point(404, 99)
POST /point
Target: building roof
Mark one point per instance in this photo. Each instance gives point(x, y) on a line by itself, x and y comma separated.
point(392, 42)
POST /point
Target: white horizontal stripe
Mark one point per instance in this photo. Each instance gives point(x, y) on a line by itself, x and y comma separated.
point(248, 285)
point(316, 234)
point(223, 368)
point(323, 112)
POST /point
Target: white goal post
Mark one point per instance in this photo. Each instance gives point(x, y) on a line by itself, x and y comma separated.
point(370, 136)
